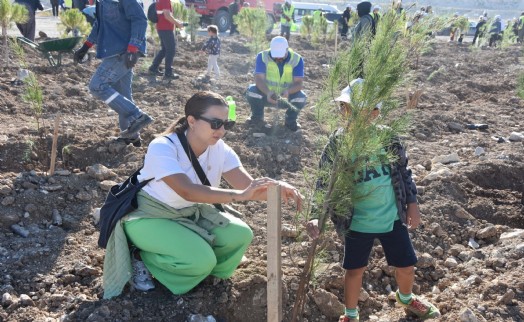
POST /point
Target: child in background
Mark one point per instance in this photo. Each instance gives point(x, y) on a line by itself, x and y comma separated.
point(212, 48)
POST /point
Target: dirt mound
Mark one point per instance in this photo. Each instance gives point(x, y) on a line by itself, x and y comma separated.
point(470, 248)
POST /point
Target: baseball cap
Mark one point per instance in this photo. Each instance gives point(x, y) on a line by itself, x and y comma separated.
point(345, 94)
point(278, 47)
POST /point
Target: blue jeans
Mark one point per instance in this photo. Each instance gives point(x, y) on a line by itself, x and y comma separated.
point(257, 100)
point(112, 84)
point(167, 51)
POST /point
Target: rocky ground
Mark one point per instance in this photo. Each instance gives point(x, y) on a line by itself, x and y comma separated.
point(470, 248)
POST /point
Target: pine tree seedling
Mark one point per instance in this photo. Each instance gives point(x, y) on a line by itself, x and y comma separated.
point(74, 21)
point(252, 23)
point(10, 13)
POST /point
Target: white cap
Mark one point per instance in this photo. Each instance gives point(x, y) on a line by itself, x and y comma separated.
point(278, 47)
point(349, 6)
point(376, 7)
point(345, 94)
point(497, 17)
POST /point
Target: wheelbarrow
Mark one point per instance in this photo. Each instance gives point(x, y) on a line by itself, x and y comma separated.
point(53, 49)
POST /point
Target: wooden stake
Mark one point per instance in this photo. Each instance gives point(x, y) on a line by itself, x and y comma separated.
point(274, 260)
point(53, 149)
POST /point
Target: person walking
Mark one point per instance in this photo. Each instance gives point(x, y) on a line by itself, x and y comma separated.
point(376, 13)
point(165, 28)
point(521, 28)
point(54, 7)
point(287, 19)
point(495, 31)
point(478, 29)
point(385, 207)
point(346, 17)
point(234, 9)
point(366, 24)
point(279, 74)
point(28, 28)
point(178, 232)
point(212, 48)
point(119, 33)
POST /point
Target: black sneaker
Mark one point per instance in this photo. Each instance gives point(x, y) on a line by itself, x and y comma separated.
point(292, 126)
point(134, 128)
point(171, 77)
point(137, 142)
point(153, 72)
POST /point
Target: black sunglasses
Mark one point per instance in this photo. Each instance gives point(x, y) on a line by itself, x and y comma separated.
point(217, 123)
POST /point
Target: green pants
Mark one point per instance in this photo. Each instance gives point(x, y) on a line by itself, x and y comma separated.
point(180, 259)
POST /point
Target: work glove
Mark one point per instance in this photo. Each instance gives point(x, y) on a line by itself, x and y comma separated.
point(79, 55)
point(131, 56)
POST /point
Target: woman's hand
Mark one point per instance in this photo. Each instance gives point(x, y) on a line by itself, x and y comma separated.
point(312, 228)
point(288, 192)
point(257, 189)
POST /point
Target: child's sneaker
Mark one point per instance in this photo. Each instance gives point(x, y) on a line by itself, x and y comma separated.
point(422, 309)
point(141, 279)
point(344, 318)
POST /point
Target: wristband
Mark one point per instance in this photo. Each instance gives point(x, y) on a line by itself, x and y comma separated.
point(132, 49)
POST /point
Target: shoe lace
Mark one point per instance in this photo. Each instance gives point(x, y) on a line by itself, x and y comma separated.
point(141, 272)
point(418, 306)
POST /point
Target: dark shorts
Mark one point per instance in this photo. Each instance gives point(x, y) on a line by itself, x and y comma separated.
point(396, 244)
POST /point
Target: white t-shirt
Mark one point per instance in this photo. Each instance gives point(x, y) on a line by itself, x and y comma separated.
point(163, 158)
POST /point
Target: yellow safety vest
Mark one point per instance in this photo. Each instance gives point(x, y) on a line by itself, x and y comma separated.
point(287, 12)
point(316, 16)
point(274, 81)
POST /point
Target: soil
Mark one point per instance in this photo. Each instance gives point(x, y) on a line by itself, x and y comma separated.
point(55, 273)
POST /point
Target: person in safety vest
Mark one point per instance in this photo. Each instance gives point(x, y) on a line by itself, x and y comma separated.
point(317, 14)
point(279, 75)
point(287, 19)
point(521, 28)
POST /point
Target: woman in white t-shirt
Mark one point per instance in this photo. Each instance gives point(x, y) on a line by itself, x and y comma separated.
point(182, 238)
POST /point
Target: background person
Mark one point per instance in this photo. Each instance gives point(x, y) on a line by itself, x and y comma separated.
point(165, 28)
point(212, 49)
point(181, 237)
point(279, 72)
point(28, 28)
point(120, 35)
point(287, 19)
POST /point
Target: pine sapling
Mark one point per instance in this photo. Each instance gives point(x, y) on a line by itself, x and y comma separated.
point(10, 13)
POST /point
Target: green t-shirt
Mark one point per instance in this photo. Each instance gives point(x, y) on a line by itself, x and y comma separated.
point(375, 208)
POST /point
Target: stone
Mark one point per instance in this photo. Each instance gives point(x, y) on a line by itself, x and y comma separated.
point(9, 200)
point(100, 172)
point(461, 213)
point(446, 159)
point(56, 219)
point(259, 135)
point(289, 231)
point(7, 299)
point(84, 195)
point(5, 190)
point(487, 232)
point(479, 151)
point(19, 230)
point(25, 300)
point(281, 158)
point(455, 127)
point(363, 296)
point(52, 187)
point(30, 208)
point(328, 303)
point(62, 172)
point(437, 230)
point(438, 174)
point(467, 315)
point(96, 215)
point(516, 137)
point(450, 262)
point(107, 184)
point(507, 298)
point(426, 260)
point(513, 234)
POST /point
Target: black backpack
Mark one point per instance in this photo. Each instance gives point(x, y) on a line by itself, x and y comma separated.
point(151, 13)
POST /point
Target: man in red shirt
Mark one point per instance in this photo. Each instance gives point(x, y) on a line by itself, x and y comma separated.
point(165, 28)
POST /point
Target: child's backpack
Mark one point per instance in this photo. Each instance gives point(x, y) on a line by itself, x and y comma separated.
point(151, 13)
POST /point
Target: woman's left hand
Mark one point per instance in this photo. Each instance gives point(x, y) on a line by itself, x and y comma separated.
point(288, 192)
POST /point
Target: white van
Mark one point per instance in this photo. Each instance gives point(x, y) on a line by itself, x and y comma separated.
point(307, 9)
